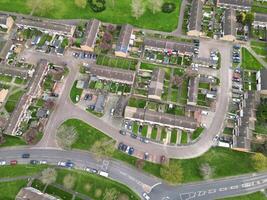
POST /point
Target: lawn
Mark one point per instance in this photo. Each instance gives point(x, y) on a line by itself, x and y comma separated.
point(197, 133)
point(12, 141)
point(174, 136)
point(144, 130)
point(252, 196)
point(138, 103)
point(5, 78)
point(154, 133)
point(9, 190)
point(184, 137)
point(87, 135)
point(116, 62)
point(9, 171)
point(84, 180)
point(20, 81)
point(249, 61)
point(75, 92)
point(119, 14)
point(13, 100)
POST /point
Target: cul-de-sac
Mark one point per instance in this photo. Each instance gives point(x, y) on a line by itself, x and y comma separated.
point(133, 99)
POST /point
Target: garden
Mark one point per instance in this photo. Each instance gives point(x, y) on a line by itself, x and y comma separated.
point(116, 62)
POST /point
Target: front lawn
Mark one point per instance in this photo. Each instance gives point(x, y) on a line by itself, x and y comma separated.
point(13, 100)
point(9, 171)
point(252, 196)
point(87, 135)
point(119, 14)
point(9, 190)
point(75, 93)
point(12, 141)
point(197, 133)
point(249, 61)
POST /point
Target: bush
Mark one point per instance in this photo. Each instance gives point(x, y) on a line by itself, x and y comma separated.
point(168, 7)
point(97, 5)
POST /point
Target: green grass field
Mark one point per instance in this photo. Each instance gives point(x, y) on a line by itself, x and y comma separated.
point(253, 196)
point(13, 100)
point(75, 92)
point(9, 190)
point(249, 61)
point(119, 14)
point(12, 141)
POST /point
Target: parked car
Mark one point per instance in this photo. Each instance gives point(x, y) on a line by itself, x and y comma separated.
point(131, 151)
point(34, 162)
point(2, 162)
point(69, 164)
point(13, 162)
point(61, 164)
point(91, 170)
point(43, 162)
point(145, 195)
point(122, 132)
point(25, 155)
point(133, 136)
point(144, 140)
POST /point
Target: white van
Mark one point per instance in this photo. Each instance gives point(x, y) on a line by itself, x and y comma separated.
point(101, 173)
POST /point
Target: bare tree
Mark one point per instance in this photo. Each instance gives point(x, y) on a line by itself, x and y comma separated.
point(103, 148)
point(110, 194)
point(206, 171)
point(69, 181)
point(48, 176)
point(259, 161)
point(138, 8)
point(66, 136)
point(80, 3)
point(172, 172)
point(155, 5)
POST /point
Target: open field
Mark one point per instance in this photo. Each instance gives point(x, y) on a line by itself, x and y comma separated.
point(9, 190)
point(249, 61)
point(13, 100)
point(119, 14)
point(12, 141)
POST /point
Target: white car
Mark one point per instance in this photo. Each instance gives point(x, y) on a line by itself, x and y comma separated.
point(43, 162)
point(146, 197)
point(2, 162)
point(62, 164)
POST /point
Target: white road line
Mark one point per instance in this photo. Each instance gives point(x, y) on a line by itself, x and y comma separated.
point(222, 189)
point(234, 187)
point(211, 191)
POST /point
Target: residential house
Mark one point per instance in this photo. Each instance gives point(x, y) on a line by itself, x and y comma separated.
point(34, 89)
point(30, 193)
point(6, 23)
point(229, 25)
point(260, 20)
point(3, 95)
point(92, 28)
point(46, 26)
point(122, 46)
point(182, 48)
point(159, 118)
point(261, 77)
point(156, 85)
point(242, 5)
point(194, 25)
point(113, 74)
point(100, 103)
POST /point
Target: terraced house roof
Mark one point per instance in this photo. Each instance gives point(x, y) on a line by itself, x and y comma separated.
point(229, 26)
point(124, 38)
point(92, 28)
point(196, 15)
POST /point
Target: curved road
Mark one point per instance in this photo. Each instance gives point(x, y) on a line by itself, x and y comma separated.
point(140, 181)
point(65, 109)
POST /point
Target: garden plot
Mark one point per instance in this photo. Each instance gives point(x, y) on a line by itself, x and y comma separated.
point(260, 48)
point(259, 33)
point(249, 80)
point(135, 49)
point(116, 62)
point(208, 20)
point(164, 57)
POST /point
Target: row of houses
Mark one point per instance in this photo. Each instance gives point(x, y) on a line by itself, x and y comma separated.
point(229, 18)
point(33, 90)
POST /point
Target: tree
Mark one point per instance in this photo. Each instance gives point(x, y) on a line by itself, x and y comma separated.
point(110, 194)
point(41, 7)
point(173, 172)
point(138, 8)
point(240, 17)
point(80, 3)
point(249, 18)
point(69, 181)
point(48, 176)
point(103, 148)
point(259, 161)
point(66, 136)
point(155, 5)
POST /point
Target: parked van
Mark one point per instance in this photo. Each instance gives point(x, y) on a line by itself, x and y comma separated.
point(101, 173)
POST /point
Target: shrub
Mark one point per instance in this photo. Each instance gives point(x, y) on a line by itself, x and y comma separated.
point(97, 5)
point(168, 7)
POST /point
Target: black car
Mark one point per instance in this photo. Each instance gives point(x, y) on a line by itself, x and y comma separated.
point(133, 136)
point(25, 155)
point(87, 97)
point(131, 150)
point(69, 164)
point(122, 132)
point(34, 162)
point(120, 146)
point(146, 156)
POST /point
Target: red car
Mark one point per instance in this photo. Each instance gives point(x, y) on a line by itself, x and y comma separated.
point(13, 162)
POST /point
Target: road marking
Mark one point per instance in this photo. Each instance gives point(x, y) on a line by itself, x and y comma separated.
point(165, 198)
point(211, 191)
point(155, 185)
point(187, 196)
point(222, 189)
point(245, 185)
point(201, 193)
point(234, 187)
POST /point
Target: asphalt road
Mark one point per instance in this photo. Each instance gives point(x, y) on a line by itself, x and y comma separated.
point(140, 181)
point(65, 109)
